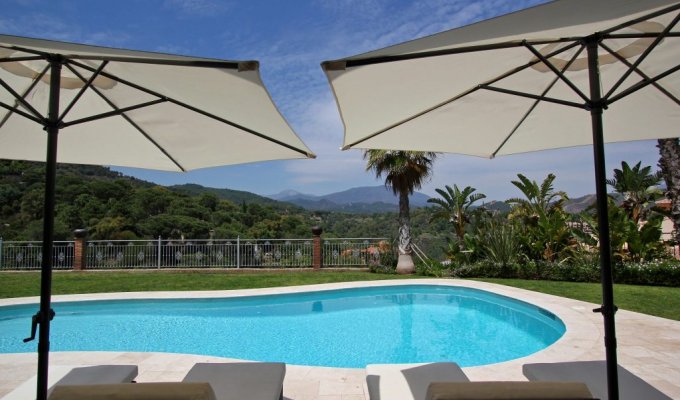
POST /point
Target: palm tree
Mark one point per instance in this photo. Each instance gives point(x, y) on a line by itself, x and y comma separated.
point(638, 187)
point(669, 162)
point(453, 207)
point(405, 171)
point(539, 199)
point(544, 219)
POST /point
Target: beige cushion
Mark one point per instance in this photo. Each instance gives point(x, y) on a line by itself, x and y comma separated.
point(408, 381)
point(135, 391)
point(507, 391)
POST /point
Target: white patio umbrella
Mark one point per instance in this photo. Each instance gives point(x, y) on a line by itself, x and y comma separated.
point(129, 108)
point(536, 79)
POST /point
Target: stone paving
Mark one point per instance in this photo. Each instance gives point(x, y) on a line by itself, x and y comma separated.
point(648, 346)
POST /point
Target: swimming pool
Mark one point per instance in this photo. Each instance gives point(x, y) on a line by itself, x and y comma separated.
point(334, 328)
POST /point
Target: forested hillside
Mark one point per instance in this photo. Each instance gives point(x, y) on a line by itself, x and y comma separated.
point(113, 206)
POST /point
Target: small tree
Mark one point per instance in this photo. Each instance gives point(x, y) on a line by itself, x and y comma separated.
point(548, 234)
point(453, 207)
point(638, 187)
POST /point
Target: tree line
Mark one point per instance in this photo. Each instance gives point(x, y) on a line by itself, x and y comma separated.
point(113, 206)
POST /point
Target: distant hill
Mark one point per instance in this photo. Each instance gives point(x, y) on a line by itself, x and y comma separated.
point(495, 205)
point(235, 196)
point(366, 199)
point(579, 204)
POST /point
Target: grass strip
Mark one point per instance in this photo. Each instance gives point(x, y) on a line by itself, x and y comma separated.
point(653, 300)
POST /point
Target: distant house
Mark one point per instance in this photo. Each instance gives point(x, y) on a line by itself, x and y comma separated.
point(667, 223)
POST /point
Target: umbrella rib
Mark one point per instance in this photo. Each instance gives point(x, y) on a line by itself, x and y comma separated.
point(532, 63)
point(642, 74)
point(642, 57)
point(241, 127)
point(16, 110)
point(637, 35)
point(199, 111)
point(88, 83)
point(17, 59)
point(129, 120)
point(533, 96)
point(411, 118)
point(494, 80)
point(142, 60)
point(642, 84)
point(557, 72)
point(535, 104)
point(159, 61)
point(642, 19)
point(117, 111)
point(21, 100)
point(16, 102)
point(359, 62)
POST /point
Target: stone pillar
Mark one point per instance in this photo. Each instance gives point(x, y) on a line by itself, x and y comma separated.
point(317, 252)
point(79, 259)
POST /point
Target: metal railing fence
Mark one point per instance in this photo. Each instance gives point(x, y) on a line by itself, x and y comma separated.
point(352, 252)
point(223, 253)
point(24, 255)
point(216, 253)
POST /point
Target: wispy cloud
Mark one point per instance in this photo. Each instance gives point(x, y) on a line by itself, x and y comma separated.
point(201, 8)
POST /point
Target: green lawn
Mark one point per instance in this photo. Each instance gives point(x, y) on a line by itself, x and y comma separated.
point(22, 284)
point(654, 300)
point(659, 301)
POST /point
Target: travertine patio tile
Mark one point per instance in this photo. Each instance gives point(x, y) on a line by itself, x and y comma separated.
point(352, 397)
point(300, 389)
point(345, 388)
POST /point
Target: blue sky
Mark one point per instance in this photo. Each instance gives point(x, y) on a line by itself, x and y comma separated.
point(290, 39)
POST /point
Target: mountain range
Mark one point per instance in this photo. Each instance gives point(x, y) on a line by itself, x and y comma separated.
point(365, 199)
point(359, 200)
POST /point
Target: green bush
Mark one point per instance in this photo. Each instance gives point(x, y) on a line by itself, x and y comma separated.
point(657, 273)
point(433, 268)
point(387, 263)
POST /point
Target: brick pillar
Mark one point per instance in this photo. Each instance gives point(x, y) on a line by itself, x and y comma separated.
point(79, 259)
point(317, 252)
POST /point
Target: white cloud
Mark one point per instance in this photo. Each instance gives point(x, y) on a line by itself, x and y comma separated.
point(202, 8)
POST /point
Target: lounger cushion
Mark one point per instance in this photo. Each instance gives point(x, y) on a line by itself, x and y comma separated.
point(240, 381)
point(507, 391)
point(135, 391)
point(99, 374)
point(594, 375)
point(409, 381)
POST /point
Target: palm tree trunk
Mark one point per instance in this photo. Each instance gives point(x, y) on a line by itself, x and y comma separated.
point(405, 264)
point(669, 149)
point(404, 225)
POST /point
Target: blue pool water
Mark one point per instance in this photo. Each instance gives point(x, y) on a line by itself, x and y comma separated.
point(336, 328)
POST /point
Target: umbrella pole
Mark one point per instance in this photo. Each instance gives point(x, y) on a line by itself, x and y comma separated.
point(608, 309)
point(45, 314)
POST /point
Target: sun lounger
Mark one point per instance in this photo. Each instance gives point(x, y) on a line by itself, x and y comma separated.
point(239, 381)
point(99, 374)
point(205, 381)
point(507, 391)
point(136, 391)
point(409, 381)
point(594, 375)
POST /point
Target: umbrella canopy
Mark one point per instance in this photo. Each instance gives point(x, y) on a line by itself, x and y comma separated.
point(542, 78)
point(442, 92)
point(138, 109)
point(128, 108)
